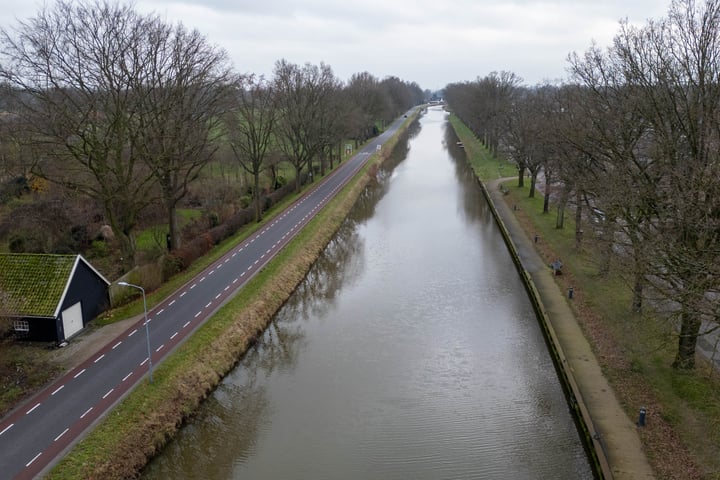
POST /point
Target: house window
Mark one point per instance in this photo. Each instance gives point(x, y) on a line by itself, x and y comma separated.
point(21, 326)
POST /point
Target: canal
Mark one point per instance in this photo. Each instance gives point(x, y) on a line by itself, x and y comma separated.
point(410, 350)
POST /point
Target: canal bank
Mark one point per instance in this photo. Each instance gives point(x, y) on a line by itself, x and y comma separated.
point(607, 428)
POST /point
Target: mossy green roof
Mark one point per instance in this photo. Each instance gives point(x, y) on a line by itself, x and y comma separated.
point(33, 284)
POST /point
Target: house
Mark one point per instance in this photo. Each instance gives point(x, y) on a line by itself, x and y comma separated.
point(50, 297)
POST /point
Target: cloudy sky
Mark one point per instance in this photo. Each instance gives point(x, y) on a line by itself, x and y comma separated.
point(429, 42)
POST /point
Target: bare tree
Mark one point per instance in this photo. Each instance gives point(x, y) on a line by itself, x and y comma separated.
point(183, 94)
point(666, 74)
point(484, 106)
point(251, 124)
point(74, 67)
point(302, 94)
point(365, 94)
point(527, 137)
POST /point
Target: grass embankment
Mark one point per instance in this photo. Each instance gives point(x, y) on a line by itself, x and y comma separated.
point(145, 420)
point(682, 436)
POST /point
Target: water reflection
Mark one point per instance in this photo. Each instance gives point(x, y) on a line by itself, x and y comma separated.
point(472, 205)
point(409, 351)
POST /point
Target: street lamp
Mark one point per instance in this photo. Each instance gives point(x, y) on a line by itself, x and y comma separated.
point(147, 329)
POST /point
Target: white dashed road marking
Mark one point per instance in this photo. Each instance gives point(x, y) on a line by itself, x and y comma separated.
point(33, 459)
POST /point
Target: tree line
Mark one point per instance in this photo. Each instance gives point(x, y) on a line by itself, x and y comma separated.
point(632, 140)
point(126, 110)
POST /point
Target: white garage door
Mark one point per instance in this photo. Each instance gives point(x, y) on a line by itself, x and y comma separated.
point(72, 320)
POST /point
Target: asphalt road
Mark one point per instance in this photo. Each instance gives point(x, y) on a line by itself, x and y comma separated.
point(38, 433)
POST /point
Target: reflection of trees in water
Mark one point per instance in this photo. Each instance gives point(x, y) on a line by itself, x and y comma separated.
point(364, 207)
point(475, 207)
point(277, 349)
point(341, 263)
point(224, 430)
point(343, 259)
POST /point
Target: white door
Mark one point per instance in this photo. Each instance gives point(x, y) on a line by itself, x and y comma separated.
point(72, 320)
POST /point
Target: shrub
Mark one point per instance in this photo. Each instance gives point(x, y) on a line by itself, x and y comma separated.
point(27, 242)
point(98, 249)
point(170, 265)
point(213, 219)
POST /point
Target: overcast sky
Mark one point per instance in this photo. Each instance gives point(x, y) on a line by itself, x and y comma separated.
point(429, 42)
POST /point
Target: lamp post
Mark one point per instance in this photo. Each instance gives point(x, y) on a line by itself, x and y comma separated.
point(147, 328)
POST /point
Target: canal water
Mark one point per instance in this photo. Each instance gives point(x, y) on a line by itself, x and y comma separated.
point(410, 351)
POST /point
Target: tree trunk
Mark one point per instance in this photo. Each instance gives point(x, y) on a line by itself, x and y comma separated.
point(298, 179)
point(533, 183)
point(274, 176)
point(323, 159)
point(123, 233)
point(173, 228)
point(258, 198)
point(637, 301)
point(560, 219)
point(127, 249)
point(687, 341)
point(605, 244)
point(605, 257)
point(521, 176)
point(578, 220)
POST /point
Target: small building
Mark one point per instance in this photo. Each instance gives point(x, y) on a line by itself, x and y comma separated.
point(50, 297)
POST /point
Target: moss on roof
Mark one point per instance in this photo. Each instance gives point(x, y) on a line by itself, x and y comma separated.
point(33, 284)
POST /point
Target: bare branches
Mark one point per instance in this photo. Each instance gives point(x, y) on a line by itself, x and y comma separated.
point(251, 126)
point(119, 102)
point(657, 131)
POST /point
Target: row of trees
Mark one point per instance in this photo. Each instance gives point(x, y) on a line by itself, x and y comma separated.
point(634, 138)
point(127, 110)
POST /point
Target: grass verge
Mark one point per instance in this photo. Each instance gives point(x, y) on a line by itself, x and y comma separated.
point(149, 416)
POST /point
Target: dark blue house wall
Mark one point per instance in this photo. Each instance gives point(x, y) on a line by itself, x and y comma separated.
point(43, 329)
point(88, 288)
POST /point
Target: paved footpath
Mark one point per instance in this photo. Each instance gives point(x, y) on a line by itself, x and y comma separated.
point(617, 433)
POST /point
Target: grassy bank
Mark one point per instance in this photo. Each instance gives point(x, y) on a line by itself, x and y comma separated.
point(137, 428)
point(483, 163)
point(682, 436)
